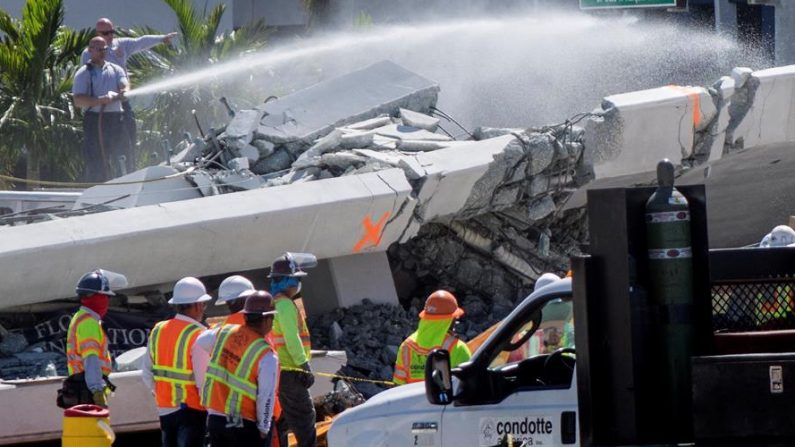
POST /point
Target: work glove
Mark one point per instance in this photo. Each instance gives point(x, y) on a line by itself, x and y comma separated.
point(99, 398)
point(307, 378)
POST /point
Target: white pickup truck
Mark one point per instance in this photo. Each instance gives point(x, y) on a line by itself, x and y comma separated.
point(519, 388)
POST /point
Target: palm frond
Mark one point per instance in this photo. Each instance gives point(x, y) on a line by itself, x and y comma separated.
point(9, 26)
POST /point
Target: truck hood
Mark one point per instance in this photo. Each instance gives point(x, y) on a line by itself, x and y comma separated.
point(399, 400)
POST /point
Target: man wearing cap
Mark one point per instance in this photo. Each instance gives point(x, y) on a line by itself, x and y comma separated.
point(173, 367)
point(233, 291)
point(291, 341)
point(436, 320)
point(88, 358)
point(240, 383)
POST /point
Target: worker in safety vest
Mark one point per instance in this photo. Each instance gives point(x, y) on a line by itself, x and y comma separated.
point(173, 367)
point(436, 320)
point(240, 383)
point(777, 301)
point(291, 341)
point(88, 357)
point(233, 291)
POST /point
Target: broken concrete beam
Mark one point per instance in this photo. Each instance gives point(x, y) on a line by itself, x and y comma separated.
point(636, 130)
point(365, 213)
point(383, 88)
point(451, 174)
point(765, 113)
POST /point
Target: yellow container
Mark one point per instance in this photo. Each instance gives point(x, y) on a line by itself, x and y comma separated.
point(87, 426)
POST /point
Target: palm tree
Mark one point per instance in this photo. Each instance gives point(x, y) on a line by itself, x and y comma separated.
point(38, 58)
point(200, 45)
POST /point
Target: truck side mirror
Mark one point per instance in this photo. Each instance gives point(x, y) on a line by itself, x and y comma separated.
point(438, 383)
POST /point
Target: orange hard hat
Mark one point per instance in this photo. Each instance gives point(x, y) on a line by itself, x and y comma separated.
point(441, 305)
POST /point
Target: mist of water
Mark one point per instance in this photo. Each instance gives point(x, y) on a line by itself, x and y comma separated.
point(519, 70)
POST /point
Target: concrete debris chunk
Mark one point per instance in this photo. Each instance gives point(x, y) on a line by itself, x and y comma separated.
point(342, 160)
point(419, 145)
point(541, 208)
point(372, 123)
point(484, 133)
point(419, 120)
point(354, 140)
point(280, 160)
point(243, 125)
point(741, 75)
point(265, 148)
point(401, 132)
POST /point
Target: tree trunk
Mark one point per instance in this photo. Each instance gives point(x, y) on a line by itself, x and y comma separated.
point(33, 168)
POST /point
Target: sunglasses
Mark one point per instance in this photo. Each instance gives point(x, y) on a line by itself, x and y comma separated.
point(103, 49)
point(106, 33)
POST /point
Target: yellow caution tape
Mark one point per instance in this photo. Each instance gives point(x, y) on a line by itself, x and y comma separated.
point(338, 376)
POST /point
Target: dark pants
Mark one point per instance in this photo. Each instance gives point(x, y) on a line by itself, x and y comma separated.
point(101, 161)
point(297, 408)
point(247, 435)
point(184, 428)
point(132, 134)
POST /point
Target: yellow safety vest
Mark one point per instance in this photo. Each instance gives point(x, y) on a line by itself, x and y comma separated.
point(85, 337)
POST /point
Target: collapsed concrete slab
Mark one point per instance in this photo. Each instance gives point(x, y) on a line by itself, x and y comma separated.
point(385, 87)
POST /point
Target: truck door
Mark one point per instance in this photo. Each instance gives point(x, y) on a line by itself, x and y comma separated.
point(526, 395)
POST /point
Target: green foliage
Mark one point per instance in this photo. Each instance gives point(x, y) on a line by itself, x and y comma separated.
point(199, 45)
point(38, 58)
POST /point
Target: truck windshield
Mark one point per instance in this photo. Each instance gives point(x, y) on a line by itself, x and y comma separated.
point(554, 331)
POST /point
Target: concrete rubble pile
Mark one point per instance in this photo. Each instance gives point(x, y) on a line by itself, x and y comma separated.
point(19, 360)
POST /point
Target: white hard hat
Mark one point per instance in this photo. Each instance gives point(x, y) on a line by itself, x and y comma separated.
point(234, 287)
point(545, 279)
point(189, 291)
point(781, 236)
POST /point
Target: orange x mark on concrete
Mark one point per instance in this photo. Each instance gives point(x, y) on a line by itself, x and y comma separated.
point(372, 232)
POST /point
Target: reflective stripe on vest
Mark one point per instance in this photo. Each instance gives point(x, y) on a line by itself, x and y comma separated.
point(780, 305)
point(170, 345)
point(78, 344)
point(280, 345)
point(404, 371)
point(231, 381)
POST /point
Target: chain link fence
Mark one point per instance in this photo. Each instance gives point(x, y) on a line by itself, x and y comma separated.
point(748, 306)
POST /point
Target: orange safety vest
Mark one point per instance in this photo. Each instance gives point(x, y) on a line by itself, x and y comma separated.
point(279, 343)
point(82, 341)
point(411, 365)
point(230, 385)
point(238, 318)
point(170, 344)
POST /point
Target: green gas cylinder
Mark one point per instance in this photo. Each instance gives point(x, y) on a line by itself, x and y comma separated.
point(671, 294)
